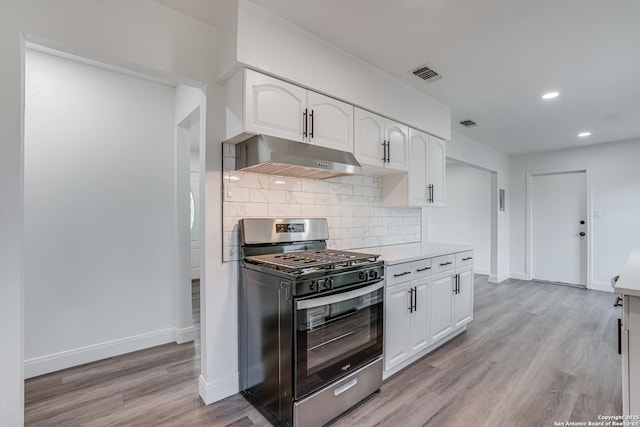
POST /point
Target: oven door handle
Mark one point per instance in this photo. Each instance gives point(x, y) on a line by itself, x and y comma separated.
point(340, 297)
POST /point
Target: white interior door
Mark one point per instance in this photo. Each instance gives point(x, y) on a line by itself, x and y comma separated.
point(558, 217)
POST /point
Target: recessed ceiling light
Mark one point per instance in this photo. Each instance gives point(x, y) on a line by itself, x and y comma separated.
point(550, 95)
point(584, 134)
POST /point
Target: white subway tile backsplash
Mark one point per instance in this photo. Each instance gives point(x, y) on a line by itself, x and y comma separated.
point(352, 243)
point(236, 194)
point(267, 196)
point(327, 199)
point(282, 210)
point(284, 183)
point(300, 197)
point(352, 206)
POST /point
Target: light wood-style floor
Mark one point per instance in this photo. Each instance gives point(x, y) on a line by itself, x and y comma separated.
point(535, 353)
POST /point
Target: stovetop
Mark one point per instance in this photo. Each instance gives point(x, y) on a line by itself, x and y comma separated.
point(312, 260)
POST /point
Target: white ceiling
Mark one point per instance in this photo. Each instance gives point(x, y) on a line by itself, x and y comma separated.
point(497, 57)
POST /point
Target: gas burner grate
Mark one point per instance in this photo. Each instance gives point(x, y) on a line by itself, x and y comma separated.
point(298, 262)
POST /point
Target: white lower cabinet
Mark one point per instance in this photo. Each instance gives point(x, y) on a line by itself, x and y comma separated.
point(422, 308)
point(406, 321)
point(441, 305)
point(463, 299)
point(451, 301)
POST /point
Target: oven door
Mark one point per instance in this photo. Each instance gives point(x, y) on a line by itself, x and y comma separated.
point(336, 335)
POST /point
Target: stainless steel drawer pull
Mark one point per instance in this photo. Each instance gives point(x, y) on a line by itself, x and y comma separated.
point(347, 386)
point(467, 259)
point(401, 274)
point(424, 269)
point(442, 264)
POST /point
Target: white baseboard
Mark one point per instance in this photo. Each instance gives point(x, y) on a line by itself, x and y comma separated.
point(520, 276)
point(498, 278)
point(186, 334)
point(601, 286)
point(78, 356)
point(211, 392)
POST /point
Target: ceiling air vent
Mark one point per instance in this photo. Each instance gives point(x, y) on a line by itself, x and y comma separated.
point(427, 74)
point(468, 123)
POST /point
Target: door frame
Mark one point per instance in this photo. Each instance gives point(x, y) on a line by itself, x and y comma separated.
point(529, 217)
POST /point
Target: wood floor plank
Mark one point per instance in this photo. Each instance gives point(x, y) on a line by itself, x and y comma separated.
point(535, 353)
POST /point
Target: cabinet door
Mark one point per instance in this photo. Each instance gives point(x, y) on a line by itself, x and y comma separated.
point(397, 136)
point(437, 170)
point(463, 301)
point(332, 122)
point(441, 305)
point(273, 107)
point(418, 143)
point(396, 323)
point(369, 134)
point(420, 317)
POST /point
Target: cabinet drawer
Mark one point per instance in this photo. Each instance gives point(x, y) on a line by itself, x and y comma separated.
point(443, 263)
point(421, 268)
point(399, 273)
point(464, 258)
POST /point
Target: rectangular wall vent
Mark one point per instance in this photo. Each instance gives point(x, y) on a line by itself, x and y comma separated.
point(427, 74)
point(468, 123)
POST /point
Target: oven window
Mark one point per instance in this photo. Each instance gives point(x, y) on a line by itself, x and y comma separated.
point(335, 338)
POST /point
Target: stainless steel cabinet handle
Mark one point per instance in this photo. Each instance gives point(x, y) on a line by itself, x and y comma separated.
point(423, 269)
point(311, 116)
point(304, 123)
point(467, 259)
point(411, 300)
point(388, 151)
point(430, 193)
point(442, 264)
point(415, 298)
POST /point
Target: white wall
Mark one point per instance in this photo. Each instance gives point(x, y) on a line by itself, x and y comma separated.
point(100, 247)
point(615, 190)
point(467, 217)
point(140, 35)
point(266, 42)
point(474, 153)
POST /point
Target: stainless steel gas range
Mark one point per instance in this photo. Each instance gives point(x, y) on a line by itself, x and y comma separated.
point(310, 333)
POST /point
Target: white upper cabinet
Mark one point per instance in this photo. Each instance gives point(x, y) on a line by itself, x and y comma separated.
point(418, 179)
point(437, 160)
point(330, 122)
point(397, 146)
point(380, 144)
point(273, 107)
point(370, 137)
point(424, 184)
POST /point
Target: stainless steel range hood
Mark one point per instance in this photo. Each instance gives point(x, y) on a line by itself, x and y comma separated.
point(276, 156)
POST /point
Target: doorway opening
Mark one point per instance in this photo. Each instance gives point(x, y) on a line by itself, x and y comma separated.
point(558, 227)
point(188, 215)
point(470, 216)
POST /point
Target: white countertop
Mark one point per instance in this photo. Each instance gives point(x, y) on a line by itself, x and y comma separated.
point(629, 281)
point(397, 254)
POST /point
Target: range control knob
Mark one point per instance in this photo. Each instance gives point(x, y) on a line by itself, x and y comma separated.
point(313, 286)
point(373, 274)
point(325, 284)
point(364, 275)
point(329, 283)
